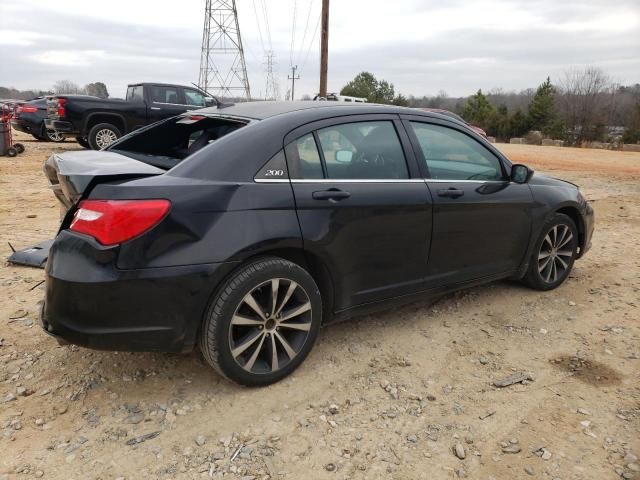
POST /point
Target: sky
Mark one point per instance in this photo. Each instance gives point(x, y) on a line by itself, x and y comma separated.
point(421, 46)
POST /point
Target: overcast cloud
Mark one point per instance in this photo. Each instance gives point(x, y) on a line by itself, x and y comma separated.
point(421, 46)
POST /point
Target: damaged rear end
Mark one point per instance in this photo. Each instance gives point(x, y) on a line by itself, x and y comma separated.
point(124, 239)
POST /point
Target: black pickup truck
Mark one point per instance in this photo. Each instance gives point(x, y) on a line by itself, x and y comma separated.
point(96, 122)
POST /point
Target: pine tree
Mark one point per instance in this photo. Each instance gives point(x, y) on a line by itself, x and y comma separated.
point(478, 109)
point(542, 110)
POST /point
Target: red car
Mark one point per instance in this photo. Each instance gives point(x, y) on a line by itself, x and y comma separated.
point(478, 130)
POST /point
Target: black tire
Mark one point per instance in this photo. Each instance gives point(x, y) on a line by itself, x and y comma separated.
point(11, 152)
point(218, 335)
point(19, 147)
point(83, 142)
point(98, 133)
point(541, 275)
point(52, 136)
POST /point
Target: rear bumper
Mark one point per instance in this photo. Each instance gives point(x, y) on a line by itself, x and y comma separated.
point(22, 126)
point(91, 303)
point(61, 126)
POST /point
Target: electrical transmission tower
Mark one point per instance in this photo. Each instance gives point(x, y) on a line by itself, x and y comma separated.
point(271, 89)
point(223, 72)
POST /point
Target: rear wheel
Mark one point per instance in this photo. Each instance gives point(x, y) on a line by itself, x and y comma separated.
point(11, 152)
point(19, 147)
point(102, 135)
point(53, 136)
point(553, 254)
point(262, 323)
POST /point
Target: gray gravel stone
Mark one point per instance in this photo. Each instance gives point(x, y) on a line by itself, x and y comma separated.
point(459, 452)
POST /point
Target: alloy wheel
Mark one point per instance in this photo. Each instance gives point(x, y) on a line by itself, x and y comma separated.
point(54, 136)
point(270, 326)
point(105, 137)
point(555, 253)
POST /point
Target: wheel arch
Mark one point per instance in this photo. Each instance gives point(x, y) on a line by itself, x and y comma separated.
point(573, 212)
point(313, 264)
point(95, 118)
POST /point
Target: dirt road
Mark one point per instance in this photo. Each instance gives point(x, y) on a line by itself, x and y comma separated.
point(405, 394)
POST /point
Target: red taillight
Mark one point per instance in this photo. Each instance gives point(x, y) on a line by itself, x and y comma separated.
point(61, 109)
point(115, 221)
point(26, 109)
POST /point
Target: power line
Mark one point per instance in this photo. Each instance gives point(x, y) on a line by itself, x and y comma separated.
point(293, 33)
point(266, 22)
point(306, 28)
point(315, 34)
point(255, 10)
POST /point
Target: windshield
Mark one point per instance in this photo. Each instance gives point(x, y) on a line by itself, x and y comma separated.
point(167, 143)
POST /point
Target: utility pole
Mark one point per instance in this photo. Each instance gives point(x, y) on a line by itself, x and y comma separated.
point(324, 48)
point(293, 79)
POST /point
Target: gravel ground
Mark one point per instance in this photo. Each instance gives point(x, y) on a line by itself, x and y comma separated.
point(405, 394)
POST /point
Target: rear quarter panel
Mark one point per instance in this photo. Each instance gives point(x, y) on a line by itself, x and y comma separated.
point(209, 222)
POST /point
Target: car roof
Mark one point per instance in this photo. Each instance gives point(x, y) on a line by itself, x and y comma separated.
point(160, 84)
point(267, 109)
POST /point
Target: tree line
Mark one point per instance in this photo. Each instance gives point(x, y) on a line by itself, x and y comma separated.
point(583, 105)
point(96, 89)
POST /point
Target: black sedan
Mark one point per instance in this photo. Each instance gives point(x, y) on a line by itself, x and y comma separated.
point(242, 229)
point(29, 118)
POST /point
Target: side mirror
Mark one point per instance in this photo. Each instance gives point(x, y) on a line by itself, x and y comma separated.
point(344, 156)
point(210, 102)
point(520, 173)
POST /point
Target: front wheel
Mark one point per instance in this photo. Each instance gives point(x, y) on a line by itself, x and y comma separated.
point(554, 253)
point(102, 135)
point(262, 323)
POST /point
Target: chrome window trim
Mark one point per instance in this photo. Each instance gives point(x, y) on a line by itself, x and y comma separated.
point(178, 104)
point(341, 180)
point(440, 180)
point(372, 180)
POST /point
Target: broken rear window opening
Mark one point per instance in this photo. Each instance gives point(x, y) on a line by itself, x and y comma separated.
point(166, 144)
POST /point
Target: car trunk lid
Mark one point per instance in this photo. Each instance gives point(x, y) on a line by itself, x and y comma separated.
point(73, 174)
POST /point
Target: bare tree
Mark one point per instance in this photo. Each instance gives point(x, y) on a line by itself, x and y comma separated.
point(66, 86)
point(97, 89)
point(585, 103)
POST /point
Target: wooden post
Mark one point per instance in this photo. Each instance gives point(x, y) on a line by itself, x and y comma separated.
point(324, 48)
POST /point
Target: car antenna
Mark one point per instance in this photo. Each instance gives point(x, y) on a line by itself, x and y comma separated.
point(219, 104)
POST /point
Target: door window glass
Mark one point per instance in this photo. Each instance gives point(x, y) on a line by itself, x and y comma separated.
point(303, 158)
point(452, 155)
point(363, 150)
point(161, 94)
point(194, 98)
point(135, 94)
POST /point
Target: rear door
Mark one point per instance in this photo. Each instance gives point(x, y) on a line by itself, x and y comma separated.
point(361, 205)
point(137, 106)
point(481, 220)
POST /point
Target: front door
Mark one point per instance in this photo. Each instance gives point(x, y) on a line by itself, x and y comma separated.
point(481, 220)
point(361, 209)
point(165, 101)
